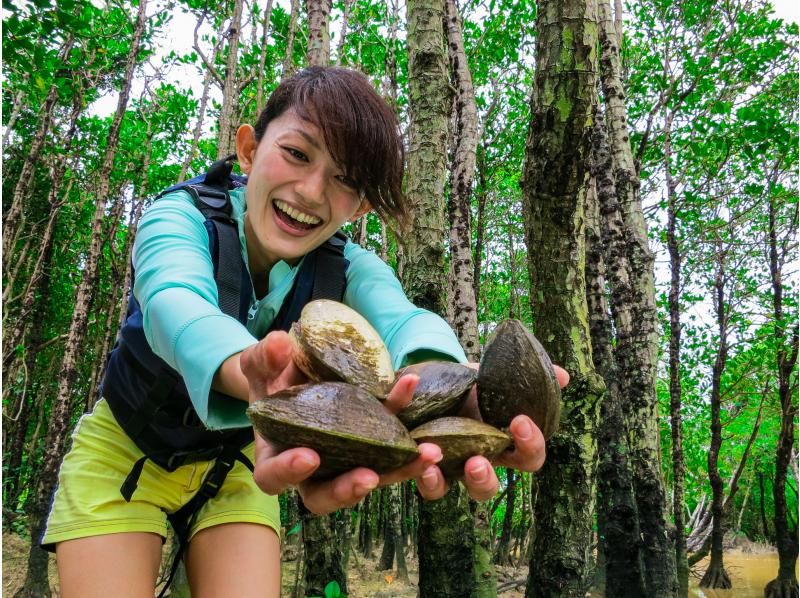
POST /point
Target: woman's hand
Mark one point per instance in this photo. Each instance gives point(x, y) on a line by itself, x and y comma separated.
point(528, 451)
point(269, 368)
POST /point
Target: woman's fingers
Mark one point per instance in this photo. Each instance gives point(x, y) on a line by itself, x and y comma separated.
point(401, 394)
point(322, 497)
point(529, 447)
point(480, 479)
point(276, 471)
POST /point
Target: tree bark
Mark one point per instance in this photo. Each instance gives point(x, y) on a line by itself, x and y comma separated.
point(785, 584)
point(554, 194)
point(13, 217)
point(463, 302)
point(637, 338)
point(319, 38)
point(429, 102)
point(36, 582)
point(324, 556)
point(675, 400)
point(716, 576)
point(288, 57)
point(262, 59)
point(230, 88)
point(502, 552)
point(343, 32)
point(618, 518)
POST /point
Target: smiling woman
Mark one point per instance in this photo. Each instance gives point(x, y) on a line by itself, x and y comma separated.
point(200, 342)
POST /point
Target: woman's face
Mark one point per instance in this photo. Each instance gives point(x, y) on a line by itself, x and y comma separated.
point(297, 195)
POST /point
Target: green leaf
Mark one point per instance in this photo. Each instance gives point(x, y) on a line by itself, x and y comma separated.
point(294, 530)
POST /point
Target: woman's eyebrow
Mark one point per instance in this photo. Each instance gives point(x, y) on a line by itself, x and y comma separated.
point(309, 138)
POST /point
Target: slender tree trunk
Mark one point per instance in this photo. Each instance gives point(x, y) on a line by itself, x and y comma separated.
point(319, 38)
point(502, 552)
point(324, 556)
point(16, 108)
point(343, 32)
point(288, 57)
point(762, 507)
point(480, 226)
point(637, 338)
point(675, 401)
point(36, 583)
point(716, 576)
point(230, 89)
point(262, 58)
point(463, 302)
point(44, 252)
point(13, 218)
point(201, 113)
point(554, 194)
point(785, 584)
point(618, 518)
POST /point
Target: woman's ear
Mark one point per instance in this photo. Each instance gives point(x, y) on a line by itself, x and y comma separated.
point(246, 145)
point(362, 209)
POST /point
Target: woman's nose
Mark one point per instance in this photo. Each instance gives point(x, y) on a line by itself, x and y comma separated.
point(312, 186)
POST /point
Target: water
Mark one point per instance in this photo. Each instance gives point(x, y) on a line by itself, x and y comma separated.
point(749, 573)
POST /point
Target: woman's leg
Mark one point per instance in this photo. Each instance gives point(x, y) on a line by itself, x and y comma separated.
point(235, 559)
point(123, 564)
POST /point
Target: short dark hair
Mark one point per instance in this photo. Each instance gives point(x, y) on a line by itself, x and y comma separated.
point(359, 128)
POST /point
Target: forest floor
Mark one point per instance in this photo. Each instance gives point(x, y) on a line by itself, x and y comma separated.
point(364, 577)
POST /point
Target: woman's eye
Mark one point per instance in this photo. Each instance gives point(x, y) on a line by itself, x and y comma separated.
point(296, 154)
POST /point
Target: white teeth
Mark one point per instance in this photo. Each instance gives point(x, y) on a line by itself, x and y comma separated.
point(307, 218)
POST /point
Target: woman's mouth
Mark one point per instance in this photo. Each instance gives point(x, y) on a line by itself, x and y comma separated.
point(293, 218)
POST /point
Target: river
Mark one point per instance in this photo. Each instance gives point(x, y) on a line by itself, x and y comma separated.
point(749, 574)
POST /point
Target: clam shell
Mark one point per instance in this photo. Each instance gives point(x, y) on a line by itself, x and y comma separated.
point(460, 438)
point(516, 376)
point(336, 343)
point(346, 425)
point(442, 388)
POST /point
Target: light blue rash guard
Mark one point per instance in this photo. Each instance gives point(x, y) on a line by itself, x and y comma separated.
point(177, 294)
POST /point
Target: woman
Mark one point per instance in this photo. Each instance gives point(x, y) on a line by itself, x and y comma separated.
point(325, 151)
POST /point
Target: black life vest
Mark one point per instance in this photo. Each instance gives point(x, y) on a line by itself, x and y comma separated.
point(148, 397)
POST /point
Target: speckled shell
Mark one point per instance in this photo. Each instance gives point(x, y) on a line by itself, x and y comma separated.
point(460, 438)
point(336, 344)
point(346, 425)
point(516, 376)
point(442, 388)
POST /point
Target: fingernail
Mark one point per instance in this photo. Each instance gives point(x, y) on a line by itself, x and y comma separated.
point(365, 488)
point(429, 479)
point(479, 474)
point(524, 430)
point(303, 464)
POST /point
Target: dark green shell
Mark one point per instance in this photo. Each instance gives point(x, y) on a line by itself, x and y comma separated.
point(516, 376)
point(442, 388)
point(346, 425)
point(460, 438)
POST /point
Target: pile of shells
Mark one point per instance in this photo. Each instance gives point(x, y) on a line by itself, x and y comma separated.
point(340, 414)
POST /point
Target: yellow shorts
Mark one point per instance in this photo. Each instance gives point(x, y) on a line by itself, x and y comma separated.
point(88, 501)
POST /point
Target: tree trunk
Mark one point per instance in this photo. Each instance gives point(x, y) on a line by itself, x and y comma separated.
point(618, 518)
point(13, 217)
point(319, 39)
point(445, 546)
point(36, 582)
point(230, 90)
point(203, 104)
point(288, 57)
point(502, 553)
point(262, 59)
point(637, 338)
point(554, 194)
point(463, 302)
point(343, 32)
point(675, 400)
point(324, 556)
point(785, 584)
point(716, 576)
